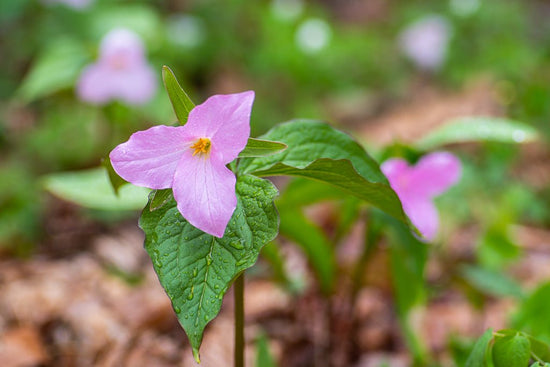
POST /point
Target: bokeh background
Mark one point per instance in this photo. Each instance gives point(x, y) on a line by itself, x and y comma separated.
point(76, 288)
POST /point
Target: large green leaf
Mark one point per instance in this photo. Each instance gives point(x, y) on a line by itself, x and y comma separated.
point(533, 315)
point(477, 356)
point(261, 148)
point(92, 189)
point(181, 102)
point(472, 129)
point(512, 351)
point(539, 349)
point(320, 152)
point(309, 140)
point(56, 68)
point(196, 268)
point(302, 192)
point(341, 173)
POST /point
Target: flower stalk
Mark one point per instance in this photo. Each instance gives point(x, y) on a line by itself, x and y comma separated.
point(238, 289)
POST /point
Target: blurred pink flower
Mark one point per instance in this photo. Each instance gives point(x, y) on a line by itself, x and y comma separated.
point(121, 72)
point(76, 4)
point(417, 186)
point(191, 159)
point(425, 42)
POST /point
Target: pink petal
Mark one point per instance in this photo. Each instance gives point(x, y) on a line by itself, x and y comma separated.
point(99, 84)
point(205, 192)
point(121, 42)
point(423, 214)
point(136, 85)
point(94, 85)
point(149, 158)
point(394, 169)
point(435, 173)
point(225, 119)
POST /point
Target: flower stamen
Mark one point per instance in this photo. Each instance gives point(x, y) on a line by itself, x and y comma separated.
point(201, 146)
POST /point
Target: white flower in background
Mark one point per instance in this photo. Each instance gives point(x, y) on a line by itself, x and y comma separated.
point(75, 4)
point(186, 30)
point(313, 35)
point(287, 9)
point(425, 42)
point(464, 8)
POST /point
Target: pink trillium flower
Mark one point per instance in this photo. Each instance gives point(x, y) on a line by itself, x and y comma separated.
point(417, 186)
point(191, 159)
point(121, 71)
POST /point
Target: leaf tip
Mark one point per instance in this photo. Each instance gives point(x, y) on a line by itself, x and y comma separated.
point(196, 355)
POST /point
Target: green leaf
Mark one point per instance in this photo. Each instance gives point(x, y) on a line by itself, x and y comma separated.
point(57, 67)
point(320, 152)
point(181, 102)
point(473, 129)
point(302, 192)
point(296, 227)
point(92, 189)
point(261, 148)
point(408, 261)
point(115, 180)
point(308, 140)
point(533, 315)
point(539, 349)
point(341, 173)
point(477, 356)
point(264, 358)
point(160, 198)
point(492, 282)
point(196, 268)
point(511, 351)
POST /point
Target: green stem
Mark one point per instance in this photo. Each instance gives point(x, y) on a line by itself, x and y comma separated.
point(238, 289)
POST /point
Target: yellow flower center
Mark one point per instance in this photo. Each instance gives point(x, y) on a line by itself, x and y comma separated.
point(201, 146)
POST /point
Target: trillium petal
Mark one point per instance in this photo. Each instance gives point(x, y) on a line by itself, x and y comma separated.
point(204, 190)
point(394, 169)
point(149, 158)
point(136, 85)
point(435, 173)
point(94, 85)
point(423, 214)
point(121, 42)
point(225, 120)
